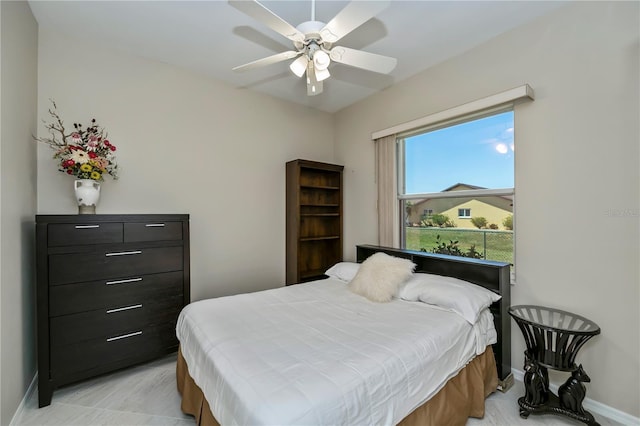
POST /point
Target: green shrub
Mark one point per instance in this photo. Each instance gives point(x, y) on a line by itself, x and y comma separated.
point(452, 249)
point(508, 222)
point(479, 222)
point(440, 220)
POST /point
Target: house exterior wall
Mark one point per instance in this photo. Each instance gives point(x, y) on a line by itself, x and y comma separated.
point(494, 209)
point(493, 214)
point(576, 143)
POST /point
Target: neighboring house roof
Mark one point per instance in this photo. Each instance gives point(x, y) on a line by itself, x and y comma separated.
point(495, 200)
point(461, 186)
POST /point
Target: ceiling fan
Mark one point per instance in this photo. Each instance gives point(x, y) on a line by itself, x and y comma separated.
point(313, 41)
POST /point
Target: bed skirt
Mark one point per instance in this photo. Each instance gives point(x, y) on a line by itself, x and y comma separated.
point(462, 397)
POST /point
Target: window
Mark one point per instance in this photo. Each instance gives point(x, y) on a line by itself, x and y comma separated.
point(464, 213)
point(456, 185)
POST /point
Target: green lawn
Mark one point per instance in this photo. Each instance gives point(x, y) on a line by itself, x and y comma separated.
point(499, 244)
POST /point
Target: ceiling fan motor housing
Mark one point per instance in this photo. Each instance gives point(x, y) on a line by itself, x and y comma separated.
point(311, 29)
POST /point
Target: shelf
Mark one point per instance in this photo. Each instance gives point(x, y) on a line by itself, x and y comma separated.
point(334, 188)
point(319, 205)
point(331, 237)
point(320, 214)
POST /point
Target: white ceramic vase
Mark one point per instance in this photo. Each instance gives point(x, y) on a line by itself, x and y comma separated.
point(87, 195)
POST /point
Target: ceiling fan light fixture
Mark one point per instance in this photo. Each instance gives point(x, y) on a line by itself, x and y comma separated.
point(321, 60)
point(322, 75)
point(313, 41)
point(299, 66)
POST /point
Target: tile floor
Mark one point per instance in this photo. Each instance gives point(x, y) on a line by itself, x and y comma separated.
point(147, 395)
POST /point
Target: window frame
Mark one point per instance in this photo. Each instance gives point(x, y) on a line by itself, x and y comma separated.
point(403, 197)
point(464, 216)
point(510, 97)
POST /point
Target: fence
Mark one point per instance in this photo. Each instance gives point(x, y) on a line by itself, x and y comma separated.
point(491, 244)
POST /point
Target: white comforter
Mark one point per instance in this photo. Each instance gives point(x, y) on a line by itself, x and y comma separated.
point(318, 354)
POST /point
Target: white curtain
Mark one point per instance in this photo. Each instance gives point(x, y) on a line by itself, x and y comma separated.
point(386, 178)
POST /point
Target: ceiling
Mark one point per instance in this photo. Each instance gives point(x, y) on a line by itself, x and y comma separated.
point(211, 37)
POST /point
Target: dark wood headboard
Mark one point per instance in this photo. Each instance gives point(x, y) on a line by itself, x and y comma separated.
point(485, 273)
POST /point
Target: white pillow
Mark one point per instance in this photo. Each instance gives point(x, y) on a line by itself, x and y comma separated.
point(462, 297)
point(344, 271)
point(380, 275)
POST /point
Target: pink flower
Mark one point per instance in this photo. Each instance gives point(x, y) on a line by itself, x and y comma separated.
point(75, 137)
point(92, 145)
point(112, 148)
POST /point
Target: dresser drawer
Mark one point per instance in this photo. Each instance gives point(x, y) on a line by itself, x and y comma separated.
point(136, 343)
point(115, 321)
point(80, 267)
point(103, 294)
point(70, 234)
point(152, 231)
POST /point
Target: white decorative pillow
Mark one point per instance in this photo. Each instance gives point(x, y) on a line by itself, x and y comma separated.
point(344, 271)
point(380, 275)
point(462, 297)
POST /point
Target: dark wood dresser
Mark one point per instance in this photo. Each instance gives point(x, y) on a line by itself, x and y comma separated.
point(110, 288)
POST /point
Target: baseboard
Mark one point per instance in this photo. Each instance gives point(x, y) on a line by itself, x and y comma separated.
point(593, 405)
point(32, 387)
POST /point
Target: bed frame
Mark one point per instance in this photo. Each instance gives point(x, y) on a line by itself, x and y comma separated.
point(485, 273)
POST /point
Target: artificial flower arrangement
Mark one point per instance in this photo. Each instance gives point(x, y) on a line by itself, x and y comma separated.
point(85, 153)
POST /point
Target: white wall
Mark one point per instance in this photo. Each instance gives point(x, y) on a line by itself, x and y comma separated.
point(185, 144)
point(19, 35)
point(577, 182)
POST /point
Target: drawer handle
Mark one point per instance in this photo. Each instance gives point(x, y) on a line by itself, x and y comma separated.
point(124, 253)
point(124, 336)
point(126, 308)
point(87, 226)
point(129, 280)
point(155, 225)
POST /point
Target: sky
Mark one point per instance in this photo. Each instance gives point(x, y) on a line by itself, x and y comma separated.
point(478, 152)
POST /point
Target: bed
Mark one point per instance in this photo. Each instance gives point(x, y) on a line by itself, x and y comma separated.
point(317, 353)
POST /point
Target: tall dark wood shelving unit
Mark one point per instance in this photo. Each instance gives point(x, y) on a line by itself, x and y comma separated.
point(314, 219)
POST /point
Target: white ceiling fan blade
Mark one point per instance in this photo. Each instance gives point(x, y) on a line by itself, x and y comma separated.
point(257, 11)
point(365, 60)
point(351, 17)
point(267, 61)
